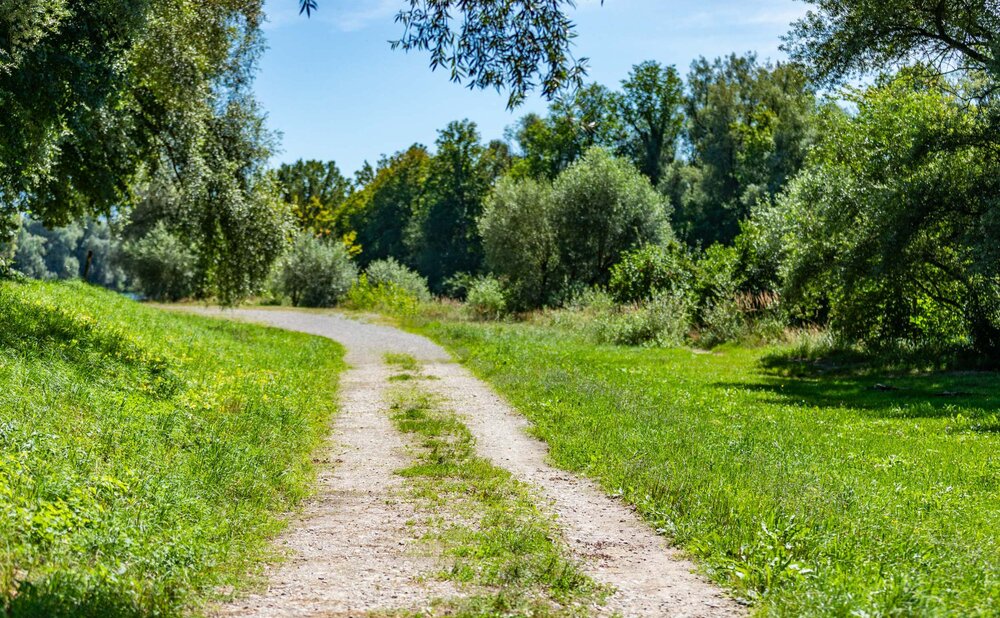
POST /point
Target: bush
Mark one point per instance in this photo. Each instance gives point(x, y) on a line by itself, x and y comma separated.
point(662, 321)
point(644, 272)
point(163, 267)
point(390, 272)
point(486, 299)
point(316, 273)
point(720, 321)
point(387, 298)
point(519, 241)
point(602, 208)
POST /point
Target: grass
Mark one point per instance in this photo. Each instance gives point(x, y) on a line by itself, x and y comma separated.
point(145, 457)
point(865, 494)
point(492, 536)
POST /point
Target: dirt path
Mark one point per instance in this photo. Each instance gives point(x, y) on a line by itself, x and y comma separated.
point(352, 551)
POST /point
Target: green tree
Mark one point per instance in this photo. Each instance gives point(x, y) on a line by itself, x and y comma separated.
point(548, 145)
point(893, 225)
point(603, 208)
point(650, 107)
point(519, 241)
point(749, 127)
point(444, 238)
point(842, 38)
point(105, 96)
point(382, 211)
point(315, 272)
point(315, 190)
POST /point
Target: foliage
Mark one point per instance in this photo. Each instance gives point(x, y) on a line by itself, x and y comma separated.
point(389, 272)
point(382, 211)
point(9, 227)
point(444, 239)
point(517, 44)
point(315, 191)
point(62, 253)
point(575, 123)
point(519, 241)
point(893, 225)
point(128, 93)
point(662, 321)
point(812, 495)
point(650, 269)
point(650, 107)
point(603, 208)
point(748, 127)
point(315, 272)
point(486, 299)
point(842, 38)
point(387, 298)
point(162, 266)
point(145, 457)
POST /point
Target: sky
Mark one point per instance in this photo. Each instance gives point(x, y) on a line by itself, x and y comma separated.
point(335, 90)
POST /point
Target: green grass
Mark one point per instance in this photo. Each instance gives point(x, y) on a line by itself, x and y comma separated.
point(807, 493)
point(486, 524)
point(145, 456)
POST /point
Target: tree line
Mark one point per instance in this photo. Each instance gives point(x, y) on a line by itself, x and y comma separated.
point(733, 186)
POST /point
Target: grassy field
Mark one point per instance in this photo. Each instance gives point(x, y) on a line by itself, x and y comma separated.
point(803, 490)
point(145, 457)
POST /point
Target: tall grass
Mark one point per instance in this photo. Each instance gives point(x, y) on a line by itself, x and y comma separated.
point(145, 456)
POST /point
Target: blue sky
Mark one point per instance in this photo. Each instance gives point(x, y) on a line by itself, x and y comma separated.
point(335, 90)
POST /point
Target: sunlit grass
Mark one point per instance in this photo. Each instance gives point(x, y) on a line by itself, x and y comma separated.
point(486, 523)
point(145, 457)
point(807, 493)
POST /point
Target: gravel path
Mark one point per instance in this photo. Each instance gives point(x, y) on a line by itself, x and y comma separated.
point(350, 550)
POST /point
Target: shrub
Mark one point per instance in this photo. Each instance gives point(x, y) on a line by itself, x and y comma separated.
point(315, 273)
point(644, 272)
point(486, 299)
point(519, 241)
point(663, 321)
point(602, 208)
point(387, 298)
point(163, 266)
point(390, 272)
point(721, 321)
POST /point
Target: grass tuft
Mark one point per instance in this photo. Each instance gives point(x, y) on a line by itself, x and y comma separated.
point(493, 535)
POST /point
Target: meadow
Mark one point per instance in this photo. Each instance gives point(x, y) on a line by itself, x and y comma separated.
point(146, 457)
point(804, 487)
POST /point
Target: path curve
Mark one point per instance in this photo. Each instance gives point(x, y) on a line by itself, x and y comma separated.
point(613, 544)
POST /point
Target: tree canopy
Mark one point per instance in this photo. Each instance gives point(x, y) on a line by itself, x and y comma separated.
point(841, 38)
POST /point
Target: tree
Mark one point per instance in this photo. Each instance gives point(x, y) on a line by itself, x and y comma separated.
point(444, 238)
point(103, 97)
point(315, 272)
point(315, 190)
point(651, 109)
point(893, 224)
point(519, 241)
point(749, 127)
point(382, 211)
point(842, 38)
point(603, 208)
point(586, 118)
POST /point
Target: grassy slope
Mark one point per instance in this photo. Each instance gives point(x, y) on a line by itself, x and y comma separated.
point(144, 456)
point(809, 495)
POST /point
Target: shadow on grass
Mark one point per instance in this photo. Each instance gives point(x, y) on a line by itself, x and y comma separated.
point(66, 598)
point(895, 390)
